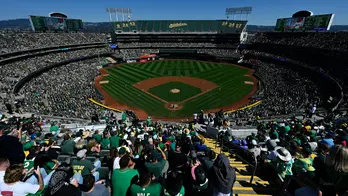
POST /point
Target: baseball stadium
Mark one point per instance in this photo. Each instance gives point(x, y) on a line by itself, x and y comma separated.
point(174, 107)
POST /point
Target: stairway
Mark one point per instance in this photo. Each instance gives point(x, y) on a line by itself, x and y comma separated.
point(242, 187)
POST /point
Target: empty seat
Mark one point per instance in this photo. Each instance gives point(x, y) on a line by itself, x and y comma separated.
point(92, 159)
point(64, 158)
point(73, 158)
point(104, 153)
point(103, 173)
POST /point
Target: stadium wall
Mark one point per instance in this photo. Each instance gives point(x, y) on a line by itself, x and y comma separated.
point(27, 78)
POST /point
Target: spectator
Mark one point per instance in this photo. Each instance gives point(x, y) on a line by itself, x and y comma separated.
point(222, 176)
point(97, 136)
point(255, 148)
point(83, 167)
point(121, 153)
point(92, 188)
point(174, 184)
point(114, 140)
point(63, 183)
point(68, 145)
point(124, 177)
point(208, 162)
point(4, 164)
point(281, 160)
point(156, 165)
point(105, 144)
point(93, 147)
point(146, 186)
point(12, 184)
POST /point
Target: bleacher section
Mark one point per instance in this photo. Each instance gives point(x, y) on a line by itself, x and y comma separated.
point(180, 26)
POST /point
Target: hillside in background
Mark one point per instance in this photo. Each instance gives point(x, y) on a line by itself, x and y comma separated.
point(24, 24)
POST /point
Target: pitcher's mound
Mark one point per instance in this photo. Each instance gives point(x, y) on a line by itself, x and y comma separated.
point(175, 90)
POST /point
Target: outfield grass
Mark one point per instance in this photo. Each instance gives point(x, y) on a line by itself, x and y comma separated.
point(229, 78)
point(163, 91)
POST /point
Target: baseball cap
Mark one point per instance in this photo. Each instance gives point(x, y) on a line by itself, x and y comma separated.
point(328, 141)
point(81, 153)
point(122, 150)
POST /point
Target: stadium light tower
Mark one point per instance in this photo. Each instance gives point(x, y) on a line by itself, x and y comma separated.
point(119, 12)
point(242, 11)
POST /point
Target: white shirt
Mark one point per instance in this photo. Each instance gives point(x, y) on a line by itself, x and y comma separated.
point(116, 163)
point(19, 188)
point(2, 174)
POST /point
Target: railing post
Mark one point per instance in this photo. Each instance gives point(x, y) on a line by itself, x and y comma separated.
point(254, 170)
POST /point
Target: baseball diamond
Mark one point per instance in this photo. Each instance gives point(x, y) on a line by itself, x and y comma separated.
point(148, 87)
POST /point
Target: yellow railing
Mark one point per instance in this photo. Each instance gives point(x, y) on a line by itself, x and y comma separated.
point(104, 106)
point(245, 107)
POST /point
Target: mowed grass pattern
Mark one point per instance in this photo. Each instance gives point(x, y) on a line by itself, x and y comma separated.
point(229, 78)
point(163, 91)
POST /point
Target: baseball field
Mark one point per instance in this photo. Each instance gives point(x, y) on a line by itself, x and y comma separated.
point(175, 88)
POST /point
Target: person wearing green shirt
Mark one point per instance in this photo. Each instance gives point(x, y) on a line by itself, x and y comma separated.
point(81, 165)
point(124, 177)
point(146, 186)
point(114, 140)
point(54, 128)
point(124, 116)
point(156, 166)
point(174, 184)
point(149, 121)
point(97, 136)
point(105, 143)
point(68, 145)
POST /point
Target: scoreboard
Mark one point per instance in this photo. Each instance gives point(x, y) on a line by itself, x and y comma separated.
point(74, 24)
point(318, 22)
point(310, 23)
point(43, 23)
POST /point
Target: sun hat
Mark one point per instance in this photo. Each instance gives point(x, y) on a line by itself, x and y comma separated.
point(85, 134)
point(283, 154)
point(81, 153)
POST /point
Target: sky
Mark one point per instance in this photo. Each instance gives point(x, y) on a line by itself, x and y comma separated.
point(265, 12)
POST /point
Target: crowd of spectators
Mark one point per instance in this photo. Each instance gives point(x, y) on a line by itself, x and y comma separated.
point(328, 40)
point(144, 159)
point(311, 154)
point(15, 71)
point(167, 159)
point(282, 90)
point(16, 41)
point(64, 91)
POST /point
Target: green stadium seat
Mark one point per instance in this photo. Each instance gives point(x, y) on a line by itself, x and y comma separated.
point(103, 173)
point(64, 158)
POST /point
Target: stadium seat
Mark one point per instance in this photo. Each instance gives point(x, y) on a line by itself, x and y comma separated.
point(104, 153)
point(103, 173)
point(72, 158)
point(92, 159)
point(64, 158)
